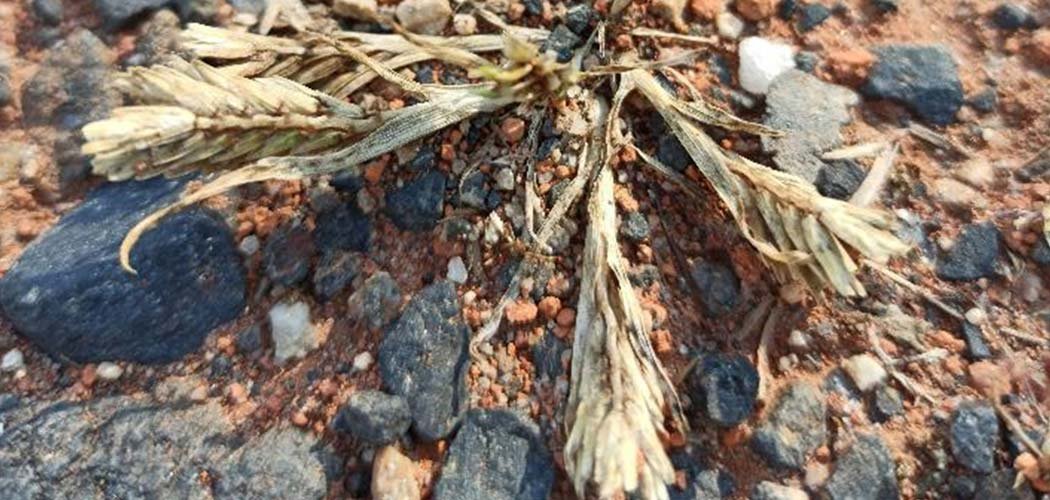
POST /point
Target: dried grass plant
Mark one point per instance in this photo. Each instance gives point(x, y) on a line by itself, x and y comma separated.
point(254, 107)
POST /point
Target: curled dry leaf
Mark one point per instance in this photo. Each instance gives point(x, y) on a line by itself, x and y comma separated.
point(800, 234)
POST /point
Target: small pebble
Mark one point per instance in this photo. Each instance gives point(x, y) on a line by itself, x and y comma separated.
point(109, 371)
point(865, 371)
point(457, 270)
point(236, 393)
point(729, 26)
point(464, 24)
point(362, 361)
point(512, 129)
point(361, 10)
point(761, 61)
point(976, 316)
point(798, 341)
point(12, 361)
point(566, 317)
point(249, 245)
point(505, 179)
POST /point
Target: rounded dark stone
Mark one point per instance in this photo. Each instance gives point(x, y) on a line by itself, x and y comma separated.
point(812, 15)
point(885, 6)
point(418, 204)
point(886, 402)
point(48, 11)
point(975, 436)
point(719, 287)
point(840, 179)
point(374, 417)
point(795, 428)
point(342, 229)
point(287, 253)
point(68, 294)
point(975, 254)
point(924, 78)
point(578, 19)
point(423, 357)
point(497, 454)
point(866, 471)
point(1010, 17)
point(724, 388)
point(807, 61)
point(634, 227)
point(985, 101)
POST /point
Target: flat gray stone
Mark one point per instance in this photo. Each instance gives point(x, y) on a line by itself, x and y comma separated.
point(810, 113)
point(128, 448)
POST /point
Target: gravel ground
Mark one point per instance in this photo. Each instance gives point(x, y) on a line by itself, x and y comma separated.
point(318, 331)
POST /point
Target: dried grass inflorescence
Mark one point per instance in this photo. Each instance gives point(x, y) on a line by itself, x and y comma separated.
point(256, 107)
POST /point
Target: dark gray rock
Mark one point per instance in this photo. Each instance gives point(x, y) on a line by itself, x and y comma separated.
point(840, 179)
point(5, 80)
point(1041, 252)
point(377, 301)
point(795, 428)
point(810, 113)
point(807, 61)
point(533, 7)
point(126, 448)
point(248, 6)
point(670, 152)
point(159, 39)
point(975, 254)
point(374, 418)
point(865, 472)
point(723, 388)
point(48, 11)
point(719, 287)
point(426, 159)
point(347, 182)
point(976, 348)
point(708, 484)
point(634, 227)
point(423, 357)
point(287, 253)
point(1000, 486)
point(496, 455)
point(342, 229)
point(117, 14)
point(249, 341)
point(1011, 17)
point(702, 482)
point(578, 19)
point(68, 294)
point(885, 6)
point(924, 78)
point(418, 204)
point(474, 190)
point(786, 9)
point(767, 490)
point(838, 382)
point(985, 101)
point(197, 11)
point(975, 436)
point(962, 487)
point(546, 356)
point(563, 42)
point(335, 271)
point(886, 403)
point(812, 15)
point(281, 463)
point(69, 90)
